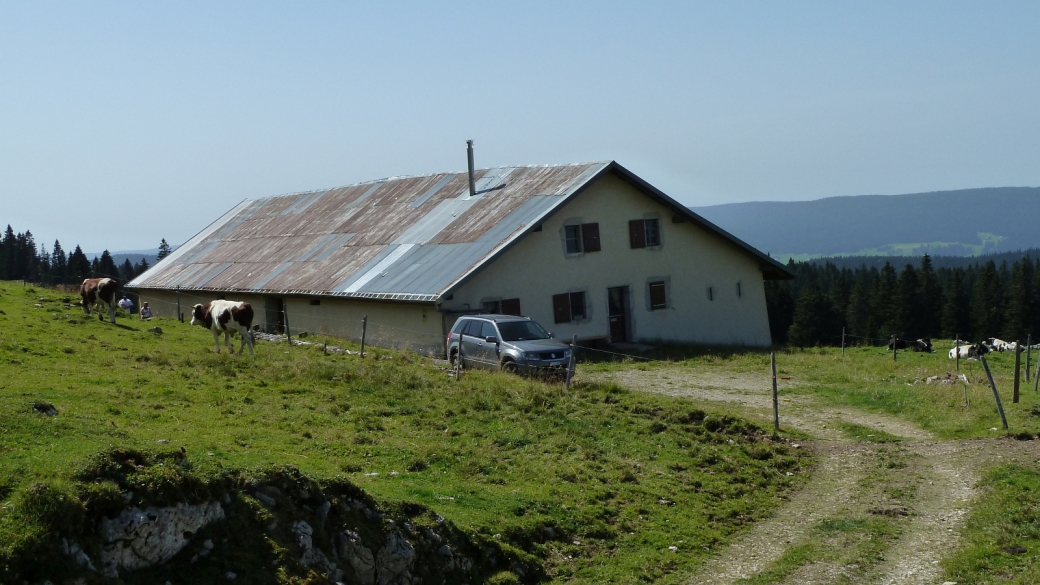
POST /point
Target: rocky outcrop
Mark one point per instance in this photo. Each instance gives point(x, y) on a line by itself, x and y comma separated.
point(139, 538)
point(394, 561)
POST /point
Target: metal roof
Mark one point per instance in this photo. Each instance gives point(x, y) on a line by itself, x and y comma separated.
point(403, 238)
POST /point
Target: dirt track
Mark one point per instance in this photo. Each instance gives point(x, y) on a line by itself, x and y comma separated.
point(940, 475)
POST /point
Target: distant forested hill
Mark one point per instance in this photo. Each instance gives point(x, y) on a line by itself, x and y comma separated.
point(952, 223)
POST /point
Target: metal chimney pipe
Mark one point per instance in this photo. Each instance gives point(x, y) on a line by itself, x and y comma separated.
point(469, 154)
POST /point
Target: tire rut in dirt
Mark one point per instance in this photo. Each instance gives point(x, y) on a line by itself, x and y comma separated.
point(837, 470)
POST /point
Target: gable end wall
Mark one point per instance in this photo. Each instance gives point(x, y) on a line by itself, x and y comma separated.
point(689, 260)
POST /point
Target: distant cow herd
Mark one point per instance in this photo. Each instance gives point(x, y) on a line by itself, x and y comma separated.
point(219, 316)
point(970, 351)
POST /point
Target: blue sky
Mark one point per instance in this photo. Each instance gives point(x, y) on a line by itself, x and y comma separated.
point(123, 123)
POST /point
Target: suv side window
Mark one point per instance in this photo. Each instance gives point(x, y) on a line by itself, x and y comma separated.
point(488, 330)
point(473, 328)
point(459, 326)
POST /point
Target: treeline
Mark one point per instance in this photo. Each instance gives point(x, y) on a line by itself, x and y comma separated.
point(975, 301)
point(22, 259)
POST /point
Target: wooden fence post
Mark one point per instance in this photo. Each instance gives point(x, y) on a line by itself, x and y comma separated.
point(842, 342)
point(776, 403)
point(570, 361)
point(364, 331)
point(893, 348)
point(458, 359)
point(288, 333)
point(179, 314)
point(957, 351)
point(996, 396)
point(1029, 351)
point(1018, 371)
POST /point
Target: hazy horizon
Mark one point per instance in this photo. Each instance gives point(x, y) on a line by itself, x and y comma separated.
point(124, 124)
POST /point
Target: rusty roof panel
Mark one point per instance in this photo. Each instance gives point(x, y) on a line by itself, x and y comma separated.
point(400, 238)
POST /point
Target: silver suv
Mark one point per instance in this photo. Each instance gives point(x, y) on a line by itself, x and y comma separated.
point(509, 343)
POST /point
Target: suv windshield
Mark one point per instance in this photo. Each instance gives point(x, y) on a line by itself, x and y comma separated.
point(521, 331)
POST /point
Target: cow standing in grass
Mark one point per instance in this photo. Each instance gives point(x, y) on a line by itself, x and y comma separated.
point(100, 291)
point(227, 317)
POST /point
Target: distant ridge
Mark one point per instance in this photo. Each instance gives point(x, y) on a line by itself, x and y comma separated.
point(944, 223)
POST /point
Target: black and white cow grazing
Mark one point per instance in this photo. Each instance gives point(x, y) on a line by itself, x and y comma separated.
point(100, 291)
point(923, 344)
point(227, 317)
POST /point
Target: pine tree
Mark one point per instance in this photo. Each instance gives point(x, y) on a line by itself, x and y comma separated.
point(140, 268)
point(59, 264)
point(1019, 311)
point(988, 303)
point(106, 266)
point(8, 254)
point(955, 309)
point(164, 250)
point(780, 309)
point(126, 271)
point(815, 321)
point(78, 268)
point(857, 315)
point(44, 261)
point(931, 299)
point(908, 299)
point(884, 305)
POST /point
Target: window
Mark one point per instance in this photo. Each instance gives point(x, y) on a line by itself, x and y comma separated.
point(658, 299)
point(473, 328)
point(572, 235)
point(315, 302)
point(569, 307)
point(644, 233)
point(521, 331)
point(653, 232)
point(511, 307)
point(502, 307)
point(487, 329)
point(581, 238)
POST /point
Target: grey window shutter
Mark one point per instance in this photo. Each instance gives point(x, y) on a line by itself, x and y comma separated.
point(637, 233)
point(511, 307)
point(590, 237)
point(562, 308)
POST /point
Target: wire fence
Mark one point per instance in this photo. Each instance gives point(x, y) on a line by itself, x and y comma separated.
point(278, 328)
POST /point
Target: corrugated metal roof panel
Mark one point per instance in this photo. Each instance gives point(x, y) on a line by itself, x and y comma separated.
point(410, 238)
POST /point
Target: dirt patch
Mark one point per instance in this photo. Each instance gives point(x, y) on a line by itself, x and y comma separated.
point(940, 475)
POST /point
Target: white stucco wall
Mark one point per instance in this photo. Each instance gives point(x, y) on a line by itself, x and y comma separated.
point(414, 326)
point(689, 259)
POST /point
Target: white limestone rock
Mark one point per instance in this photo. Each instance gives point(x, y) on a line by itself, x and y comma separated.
point(139, 538)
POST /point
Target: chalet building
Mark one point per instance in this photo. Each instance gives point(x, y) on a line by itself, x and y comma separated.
point(589, 249)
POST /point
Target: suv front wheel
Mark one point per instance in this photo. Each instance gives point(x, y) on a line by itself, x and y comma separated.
point(509, 366)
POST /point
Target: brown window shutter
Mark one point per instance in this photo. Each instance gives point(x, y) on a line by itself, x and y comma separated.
point(590, 237)
point(637, 233)
point(511, 307)
point(657, 296)
point(562, 308)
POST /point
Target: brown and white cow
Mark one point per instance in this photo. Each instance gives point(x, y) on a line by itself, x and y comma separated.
point(100, 291)
point(227, 317)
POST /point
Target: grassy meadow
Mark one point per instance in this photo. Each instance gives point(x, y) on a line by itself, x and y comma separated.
point(634, 487)
point(868, 378)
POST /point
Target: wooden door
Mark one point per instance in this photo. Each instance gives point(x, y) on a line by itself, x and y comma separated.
point(617, 312)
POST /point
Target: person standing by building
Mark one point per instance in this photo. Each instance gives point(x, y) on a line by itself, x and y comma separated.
point(126, 304)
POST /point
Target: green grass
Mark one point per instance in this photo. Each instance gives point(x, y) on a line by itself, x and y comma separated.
point(618, 476)
point(868, 378)
point(1002, 533)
